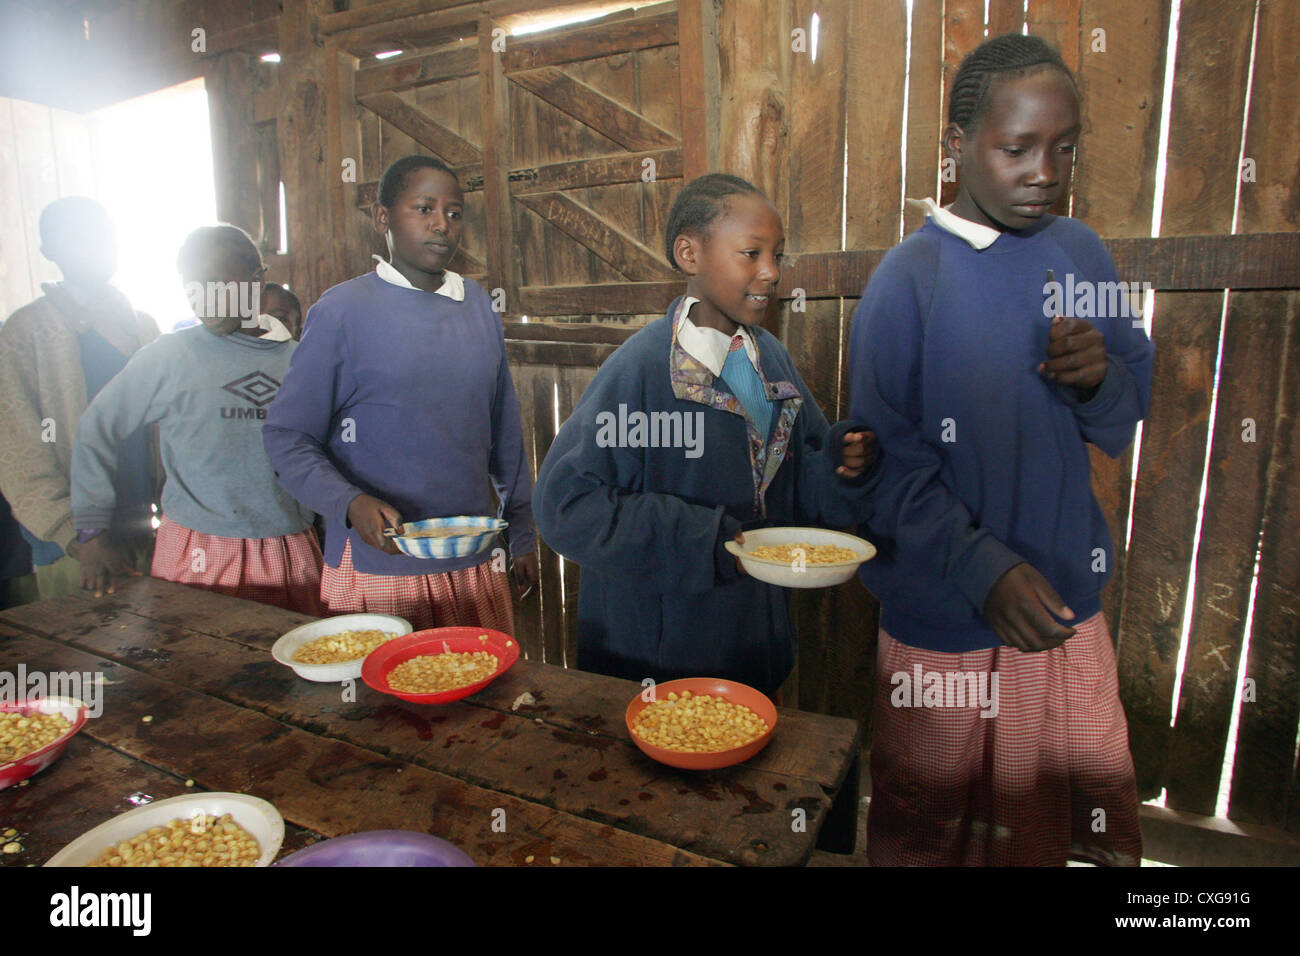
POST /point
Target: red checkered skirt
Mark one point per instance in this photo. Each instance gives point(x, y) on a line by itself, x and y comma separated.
point(470, 597)
point(284, 571)
point(1048, 779)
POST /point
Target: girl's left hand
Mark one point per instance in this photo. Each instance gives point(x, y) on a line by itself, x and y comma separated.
point(859, 450)
point(524, 571)
point(1076, 354)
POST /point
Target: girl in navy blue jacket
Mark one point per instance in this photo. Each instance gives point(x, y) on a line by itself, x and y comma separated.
point(998, 737)
point(697, 427)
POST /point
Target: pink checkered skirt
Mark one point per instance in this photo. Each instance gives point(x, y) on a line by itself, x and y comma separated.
point(1048, 779)
point(284, 572)
point(471, 597)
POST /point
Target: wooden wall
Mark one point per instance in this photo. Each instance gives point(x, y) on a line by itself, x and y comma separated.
point(550, 133)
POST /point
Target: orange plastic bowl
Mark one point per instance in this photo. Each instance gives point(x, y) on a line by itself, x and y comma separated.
point(438, 640)
point(18, 770)
point(729, 690)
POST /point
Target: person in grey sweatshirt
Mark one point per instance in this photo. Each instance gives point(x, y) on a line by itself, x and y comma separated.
point(226, 525)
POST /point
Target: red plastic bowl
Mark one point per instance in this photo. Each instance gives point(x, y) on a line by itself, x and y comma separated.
point(36, 761)
point(729, 690)
point(438, 640)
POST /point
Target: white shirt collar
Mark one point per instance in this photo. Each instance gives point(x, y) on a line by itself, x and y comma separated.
point(453, 286)
point(978, 235)
point(276, 331)
point(710, 347)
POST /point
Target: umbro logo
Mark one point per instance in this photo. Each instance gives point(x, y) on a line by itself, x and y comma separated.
point(257, 389)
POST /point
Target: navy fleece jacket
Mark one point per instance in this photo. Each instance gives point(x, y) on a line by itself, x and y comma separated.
point(659, 597)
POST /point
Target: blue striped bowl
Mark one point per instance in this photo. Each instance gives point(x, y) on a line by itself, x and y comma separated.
point(461, 546)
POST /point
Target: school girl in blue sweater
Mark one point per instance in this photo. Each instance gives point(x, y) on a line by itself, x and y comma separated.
point(993, 551)
point(697, 427)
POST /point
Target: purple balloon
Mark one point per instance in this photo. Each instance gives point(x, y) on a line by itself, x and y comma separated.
point(380, 848)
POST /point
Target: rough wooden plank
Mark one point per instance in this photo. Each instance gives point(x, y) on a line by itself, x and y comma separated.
point(1265, 785)
point(1113, 186)
point(754, 41)
point(437, 138)
point(551, 596)
point(1210, 77)
point(1265, 781)
point(925, 117)
point(404, 73)
point(330, 786)
point(558, 353)
point(303, 124)
point(528, 611)
point(1249, 379)
point(598, 171)
point(1007, 16)
point(701, 104)
point(622, 251)
point(619, 204)
point(91, 784)
point(502, 267)
point(592, 108)
point(589, 42)
point(623, 298)
point(567, 332)
point(963, 31)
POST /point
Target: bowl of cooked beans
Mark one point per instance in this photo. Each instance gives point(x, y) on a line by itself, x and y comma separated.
point(440, 665)
point(332, 649)
point(196, 829)
point(456, 537)
point(801, 557)
point(701, 723)
point(34, 733)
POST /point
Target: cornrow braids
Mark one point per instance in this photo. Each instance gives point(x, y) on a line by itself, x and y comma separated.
point(1011, 53)
point(394, 179)
point(701, 202)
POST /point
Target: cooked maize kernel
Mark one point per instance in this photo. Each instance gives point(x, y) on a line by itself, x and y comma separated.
point(343, 646)
point(811, 553)
point(21, 734)
point(436, 673)
point(197, 841)
point(698, 723)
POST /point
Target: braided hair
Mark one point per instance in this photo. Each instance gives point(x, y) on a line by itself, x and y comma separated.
point(702, 201)
point(394, 179)
point(1012, 53)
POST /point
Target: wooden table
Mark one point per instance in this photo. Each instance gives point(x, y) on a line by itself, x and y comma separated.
point(556, 779)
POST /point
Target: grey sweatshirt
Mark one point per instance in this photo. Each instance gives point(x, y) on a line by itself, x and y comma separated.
point(209, 394)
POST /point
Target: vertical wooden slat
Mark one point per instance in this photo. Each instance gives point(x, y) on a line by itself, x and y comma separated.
point(963, 31)
point(697, 31)
point(228, 80)
point(753, 53)
point(528, 612)
point(1114, 186)
point(302, 124)
point(1006, 16)
point(1265, 778)
point(925, 115)
point(1204, 138)
point(497, 156)
point(544, 383)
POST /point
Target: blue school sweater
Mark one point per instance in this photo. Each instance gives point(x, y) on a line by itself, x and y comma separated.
point(405, 395)
point(986, 462)
point(659, 597)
